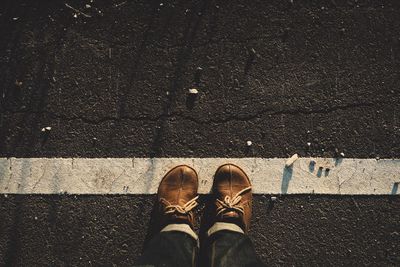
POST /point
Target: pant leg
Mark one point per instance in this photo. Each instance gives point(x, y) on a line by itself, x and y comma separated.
point(170, 249)
point(231, 249)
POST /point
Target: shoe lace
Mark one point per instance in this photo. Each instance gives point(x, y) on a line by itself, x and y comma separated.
point(185, 209)
point(232, 203)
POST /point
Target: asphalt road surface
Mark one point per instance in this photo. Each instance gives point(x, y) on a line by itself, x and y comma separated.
point(111, 79)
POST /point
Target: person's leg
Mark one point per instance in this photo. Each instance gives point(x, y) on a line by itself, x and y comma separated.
point(176, 244)
point(227, 243)
point(226, 247)
point(171, 248)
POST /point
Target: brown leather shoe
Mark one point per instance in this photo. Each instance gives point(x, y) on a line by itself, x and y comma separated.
point(233, 197)
point(177, 195)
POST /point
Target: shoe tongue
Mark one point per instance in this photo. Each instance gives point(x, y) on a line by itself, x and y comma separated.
point(231, 214)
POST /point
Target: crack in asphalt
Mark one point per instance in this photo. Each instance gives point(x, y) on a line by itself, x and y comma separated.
point(249, 117)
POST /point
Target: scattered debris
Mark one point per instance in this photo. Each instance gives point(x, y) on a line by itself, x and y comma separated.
point(197, 75)
point(16, 18)
point(167, 93)
point(308, 144)
point(18, 83)
point(36, 218)
point(120, 4)
point(249, 143)
point(291, 160)
point(341, 154)
point(377, 158)
point(191, 98)
point(252, 53)
point(77, 11)
point(88, 6)
point(193, 91)
point(46, 129)
point(273, 199)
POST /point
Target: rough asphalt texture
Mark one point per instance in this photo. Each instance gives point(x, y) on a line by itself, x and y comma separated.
point(113, 82)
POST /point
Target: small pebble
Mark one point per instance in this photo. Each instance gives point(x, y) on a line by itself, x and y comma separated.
point(308, 144)
point(45, 129)
point(291, 160)
point(75, 15)
point(342, 154)
point(249, 143)
point(193, 91)
point(273, 199)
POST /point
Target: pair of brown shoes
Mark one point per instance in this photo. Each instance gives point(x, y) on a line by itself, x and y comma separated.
point(232, 197)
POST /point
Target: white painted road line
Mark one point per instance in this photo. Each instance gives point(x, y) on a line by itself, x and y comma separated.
point(142, 175)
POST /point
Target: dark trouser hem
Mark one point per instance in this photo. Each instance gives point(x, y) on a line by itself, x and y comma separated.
point(178, 249)
point(170, 249)
point(231, 249)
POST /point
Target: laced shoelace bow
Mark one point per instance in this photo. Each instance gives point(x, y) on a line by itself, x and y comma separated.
point(185, 209)
point(232, 203)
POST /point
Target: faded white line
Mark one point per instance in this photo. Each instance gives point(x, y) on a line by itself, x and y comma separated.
point(142, 175)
